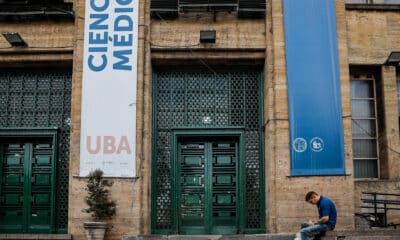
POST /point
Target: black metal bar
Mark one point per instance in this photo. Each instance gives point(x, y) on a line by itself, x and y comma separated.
point(386, 194)
point(383, 208)
point(375, 209)
point(385, 216)
point(380, 219)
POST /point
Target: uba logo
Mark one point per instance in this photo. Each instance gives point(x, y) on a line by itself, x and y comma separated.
point(108, 145)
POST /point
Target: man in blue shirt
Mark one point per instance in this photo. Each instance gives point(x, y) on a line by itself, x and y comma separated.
point(327, 217)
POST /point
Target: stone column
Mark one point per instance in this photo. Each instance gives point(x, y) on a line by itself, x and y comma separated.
point(390, 166)
point(276, 112)
point(145, 117)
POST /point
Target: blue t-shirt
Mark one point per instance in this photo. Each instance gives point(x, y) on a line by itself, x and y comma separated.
point(326, 207)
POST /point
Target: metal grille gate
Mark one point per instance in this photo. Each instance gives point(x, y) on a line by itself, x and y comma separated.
point(41, 98)
point(220, 99)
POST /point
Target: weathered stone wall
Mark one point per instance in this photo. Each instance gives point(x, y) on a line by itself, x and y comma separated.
point(372, 35)
point(132, 195)
point(365, 37)
point(47, 41)
point(231, 33)
point(286, 207)
point(238, 41)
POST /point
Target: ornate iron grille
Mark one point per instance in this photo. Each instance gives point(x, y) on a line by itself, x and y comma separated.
point(245, 8)
point(190, 98)
point(41, 98)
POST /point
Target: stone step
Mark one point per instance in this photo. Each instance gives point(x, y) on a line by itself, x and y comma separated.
point(372, 234)
point(214, 237)
point(364, 238)
point(36, 236)
point(333, 235)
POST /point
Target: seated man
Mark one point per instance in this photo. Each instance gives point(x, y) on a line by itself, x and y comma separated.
point(326, 221)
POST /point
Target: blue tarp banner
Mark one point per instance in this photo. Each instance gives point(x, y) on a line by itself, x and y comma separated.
point(315, 111)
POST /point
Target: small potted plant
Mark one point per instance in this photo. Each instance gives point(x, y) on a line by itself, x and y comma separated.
point(100, 206)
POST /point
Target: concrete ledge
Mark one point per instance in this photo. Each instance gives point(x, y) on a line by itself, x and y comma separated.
point(381, 234)
point(373, 7)
point(373, 234)
point(283, 236)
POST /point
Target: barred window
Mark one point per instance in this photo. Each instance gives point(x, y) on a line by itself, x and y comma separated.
point(373, 1)
point(364, 126)
point(173, 8)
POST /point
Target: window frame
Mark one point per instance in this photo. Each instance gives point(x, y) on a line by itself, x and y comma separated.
point(371, 2)
point(366, 77)
point(398, 93)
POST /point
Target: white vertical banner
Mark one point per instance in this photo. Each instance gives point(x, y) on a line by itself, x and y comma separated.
point(109, 80)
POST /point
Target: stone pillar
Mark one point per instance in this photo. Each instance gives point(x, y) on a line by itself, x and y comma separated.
point(276, 123)
point(145, 117)
point(390, 166)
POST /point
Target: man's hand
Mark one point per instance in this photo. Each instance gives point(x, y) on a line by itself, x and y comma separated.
point(320, 221)
point(324, 219)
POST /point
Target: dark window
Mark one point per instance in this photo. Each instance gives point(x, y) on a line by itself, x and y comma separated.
point(15, 10)
point(364, 126)
point(29, 2)
point(373, 1)
point(172, 8)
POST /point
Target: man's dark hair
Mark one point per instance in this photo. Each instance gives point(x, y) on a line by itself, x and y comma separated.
point(310, 194)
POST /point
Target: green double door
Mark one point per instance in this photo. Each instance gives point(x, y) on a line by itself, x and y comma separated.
point(27, 186)
point(209, 192)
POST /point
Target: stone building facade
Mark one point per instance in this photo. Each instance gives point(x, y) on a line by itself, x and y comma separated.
point(234, 106)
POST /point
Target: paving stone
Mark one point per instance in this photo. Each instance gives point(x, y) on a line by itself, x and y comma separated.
point(36, 236)
point(373, 234)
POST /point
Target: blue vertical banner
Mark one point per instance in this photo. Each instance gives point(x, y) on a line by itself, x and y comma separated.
point(315, 111)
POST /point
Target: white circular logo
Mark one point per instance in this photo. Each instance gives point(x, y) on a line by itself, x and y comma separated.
point(317, 144)
point(299, 145)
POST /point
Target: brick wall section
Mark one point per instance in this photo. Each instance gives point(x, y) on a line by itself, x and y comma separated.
point(286, 207)
point(372, 35)
point(47, 40)
point(390, 167)
point(231, 32)
point(131, 195)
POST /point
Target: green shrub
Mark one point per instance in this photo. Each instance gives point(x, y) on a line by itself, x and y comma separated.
point(100, 205)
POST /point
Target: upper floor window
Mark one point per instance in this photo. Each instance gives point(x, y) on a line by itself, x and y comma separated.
point(172, 8)
point(14, 10)
point(373, 1)
point(29, 2)
point(364, 126)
